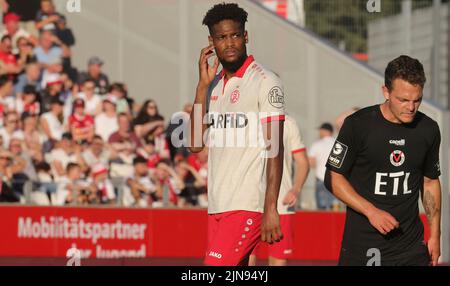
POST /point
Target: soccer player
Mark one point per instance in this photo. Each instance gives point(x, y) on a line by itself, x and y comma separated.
point(294, 150)
point(243, 186)
point(384, 157)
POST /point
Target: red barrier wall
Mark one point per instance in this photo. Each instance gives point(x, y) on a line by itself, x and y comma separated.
point(111, 232)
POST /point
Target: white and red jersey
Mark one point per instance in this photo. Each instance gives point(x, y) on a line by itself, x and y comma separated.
point(81, 122)
point(293, 143)
point(237, 109)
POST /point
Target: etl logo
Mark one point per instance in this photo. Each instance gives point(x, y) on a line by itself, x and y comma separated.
point(73, 6)
point(373, 6)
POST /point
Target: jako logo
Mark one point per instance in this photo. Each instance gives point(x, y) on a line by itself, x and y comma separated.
point(73, 6)
point(215, 254)
point(373, 6)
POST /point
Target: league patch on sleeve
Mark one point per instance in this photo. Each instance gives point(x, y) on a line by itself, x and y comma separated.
point(337, 155)
point(276, 97)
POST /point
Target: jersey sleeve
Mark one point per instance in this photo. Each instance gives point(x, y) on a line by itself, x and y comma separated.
point(343, 153)
point(432, 168)
point(271, 100)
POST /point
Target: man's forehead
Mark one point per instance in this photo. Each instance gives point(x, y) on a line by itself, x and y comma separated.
point(227, 26)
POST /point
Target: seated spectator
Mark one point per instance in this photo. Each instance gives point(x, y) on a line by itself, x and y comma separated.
point(63, 32)
point(8, 61)
point(51, 123)
point(101, 185)
point(72, 188)
point(47, 17)
point(51, 71)
point(49, 49)
point(13, 29)
point(94, 73)
point(117, 90)
point(33, 139)
point(170, 181)
point(30, 77)
point(98, 153)
point(52, 92)
point(11, 129)
point(161, 144)
point(140, 189)
point(65, 153)
point(148, 151)
point(24, 168)
point(7, 194)
point(25, 9)
point(28, 101)
point(124, 141)
point(106, 122)
point(81, 125)
point(194, 191)
point(25, 54)
point(6, 97)
point(147, 119)
point(93, 102)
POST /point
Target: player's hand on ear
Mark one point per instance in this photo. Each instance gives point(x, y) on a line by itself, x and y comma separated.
point(270, 227)
point(383, 221)
point(207, 72)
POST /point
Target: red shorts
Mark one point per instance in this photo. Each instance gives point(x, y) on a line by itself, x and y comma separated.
point(282, 249)
point(232, 236)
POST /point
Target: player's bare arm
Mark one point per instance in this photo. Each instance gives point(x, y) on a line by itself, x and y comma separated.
point(206, 76)
point(431, 198)
point(344, 191)
point(301, 173)
point(270, 228)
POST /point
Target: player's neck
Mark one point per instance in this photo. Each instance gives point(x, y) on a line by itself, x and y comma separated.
point(388, 114)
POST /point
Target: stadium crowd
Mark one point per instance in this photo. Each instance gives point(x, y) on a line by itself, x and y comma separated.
point(71, 136)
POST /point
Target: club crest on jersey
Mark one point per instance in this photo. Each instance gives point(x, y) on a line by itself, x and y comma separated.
point(276, 97)
point(234, 97)
point(397, 158)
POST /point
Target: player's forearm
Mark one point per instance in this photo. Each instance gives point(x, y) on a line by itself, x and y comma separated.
point(432, 204)
point(344, 191)
point(302, 171)
point(274, 174)
point(197, 127)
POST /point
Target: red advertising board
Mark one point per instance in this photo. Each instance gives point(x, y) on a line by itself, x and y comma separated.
point(131, 232)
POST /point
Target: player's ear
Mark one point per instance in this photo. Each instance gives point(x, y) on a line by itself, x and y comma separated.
point(246, 37)
point(386, 92)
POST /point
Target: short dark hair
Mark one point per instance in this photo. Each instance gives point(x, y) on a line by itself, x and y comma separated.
point(225, 11)
point(405, 68)
point(4, 79)
point(139, 160)
point(6, 37)
point(71, 166)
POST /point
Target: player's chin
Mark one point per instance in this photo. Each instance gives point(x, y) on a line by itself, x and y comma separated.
point(407, 118)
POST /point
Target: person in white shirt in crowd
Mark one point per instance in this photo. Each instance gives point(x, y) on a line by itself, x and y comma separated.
point(11, 128)
point(33, 139)
point(93, 101)
point(106, 122)
point(140, 190)
point(51, 123)
point(118, 91)
point(27, 101)
point(53, 70)
point(98, 152)
point(6, 99)
point(13, 29)
point(72, 188)
point(318, 156)
point(101, 185)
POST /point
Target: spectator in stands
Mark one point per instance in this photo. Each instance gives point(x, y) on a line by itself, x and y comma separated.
point(50, 48)
point(71, 187)
point(12, 29)
point(33, 139)
point(65, 153)
point(8, 61)
point(194, 191)
point(106, 122)
point(52, 91)
point(170, 181)
point(94, 73)
point(161, 144)
point(81, 125)
point(52, 70)
point(51, 123)
point(318, 156)
point(141, 190)
point(30, 77)
point(147, 119)
point(25, 54)
point(6, 96)
point(24, 165)
point(27, 101)
point(64, 33)
point(7, 194)
point(47, 17)
point(148, 151)
point(199, 161)
point(93, 101)
point(101, 185)
point(98, 153)
point(25, 9)
point(124, 140)
point(117, 90)
point(11, 128)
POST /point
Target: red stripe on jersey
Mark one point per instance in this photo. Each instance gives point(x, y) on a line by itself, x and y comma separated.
point(299, 150)
point(273, 118)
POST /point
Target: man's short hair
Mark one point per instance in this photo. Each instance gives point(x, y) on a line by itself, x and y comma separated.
point(71, 166)
point(225, 11)
point(139, 160)
point(6, 37)
point(405, 68)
